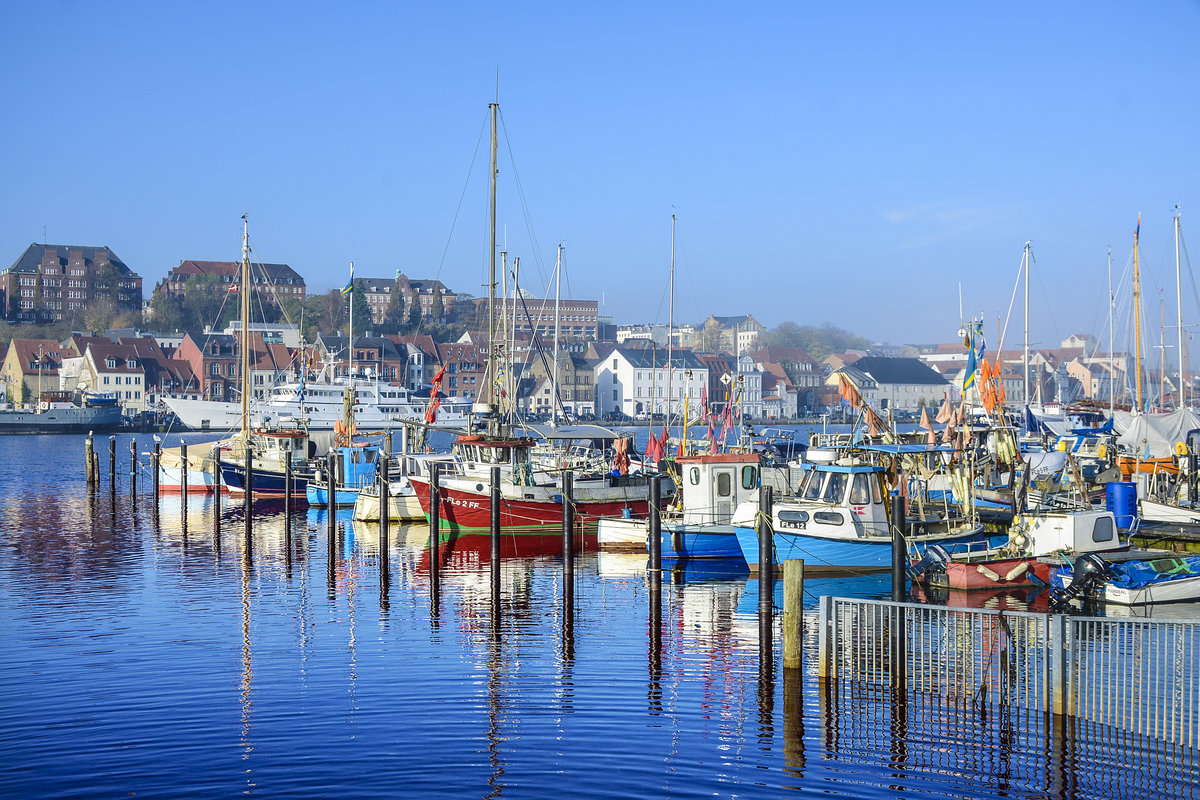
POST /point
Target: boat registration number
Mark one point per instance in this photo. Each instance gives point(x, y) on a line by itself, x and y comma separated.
point(792, 523)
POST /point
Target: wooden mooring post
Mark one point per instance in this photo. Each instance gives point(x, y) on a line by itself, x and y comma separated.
point(157, 477)
point(112, 464)
point(248, 519)
point(899, 550)
point(89, 462)
point(793, 613)
point(494, 561)
point(133, 465)
point(435, 524)
point(654, 524)
point(385, 522)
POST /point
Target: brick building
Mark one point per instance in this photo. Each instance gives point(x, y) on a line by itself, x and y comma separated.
point(52, 282)
point(270, 281)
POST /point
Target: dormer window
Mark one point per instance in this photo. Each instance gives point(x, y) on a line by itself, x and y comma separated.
point(111, 363)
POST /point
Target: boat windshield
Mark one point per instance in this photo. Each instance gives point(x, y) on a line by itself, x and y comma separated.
point(860, 490)
point(835, 488)
point(812, 486)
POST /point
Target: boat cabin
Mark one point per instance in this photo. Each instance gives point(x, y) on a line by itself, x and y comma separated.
point(837, 493)
point(1071, 531)
point(714, 485)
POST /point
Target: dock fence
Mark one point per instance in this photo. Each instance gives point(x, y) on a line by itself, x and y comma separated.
point(1141, 676)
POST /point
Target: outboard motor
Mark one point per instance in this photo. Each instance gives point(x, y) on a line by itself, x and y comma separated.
point(933, 562)
point(1089, 573)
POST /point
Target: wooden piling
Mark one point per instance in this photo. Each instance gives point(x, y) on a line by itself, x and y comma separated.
point(112, 464)
point(133, 464)
point(385, 521)
point(899, 550)
point(248, 519)
point(568, 517)
point(183, 484)
point(330, 499)
point(654, 525)
point(157, 478)
point(495, 539)
point(793, 612)
point(766, 538)
point(435, 524)
point(89, 462)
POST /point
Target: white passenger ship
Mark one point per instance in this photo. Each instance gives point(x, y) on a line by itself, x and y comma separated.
point(377, 406)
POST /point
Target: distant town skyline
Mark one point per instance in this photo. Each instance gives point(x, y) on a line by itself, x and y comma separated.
point(864, 166)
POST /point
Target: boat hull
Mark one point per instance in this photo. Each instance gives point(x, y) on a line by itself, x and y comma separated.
point(401, 508)
point(680, 541)
point(828, 555)
point(467, 512)
point(104, 419)
point(267, 483)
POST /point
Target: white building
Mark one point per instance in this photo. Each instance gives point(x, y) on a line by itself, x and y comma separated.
point(637, 381)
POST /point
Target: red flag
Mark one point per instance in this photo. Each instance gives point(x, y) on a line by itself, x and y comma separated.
point(431, 414)
point(437, 381)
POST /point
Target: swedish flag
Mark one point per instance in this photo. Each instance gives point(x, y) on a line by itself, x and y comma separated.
point(972, 368)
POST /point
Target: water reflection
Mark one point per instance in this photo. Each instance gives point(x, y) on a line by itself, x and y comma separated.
point(223, 660)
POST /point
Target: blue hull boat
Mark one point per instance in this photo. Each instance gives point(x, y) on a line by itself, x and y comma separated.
point(682, 541)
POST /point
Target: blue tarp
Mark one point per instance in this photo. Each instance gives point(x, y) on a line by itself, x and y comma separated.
point(1136, 574)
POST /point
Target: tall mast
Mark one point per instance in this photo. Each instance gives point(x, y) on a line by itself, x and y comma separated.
point(1179, 319)
point(351, 331)
point(557, 284)
point(1025, 354)
point(671, 322)
point(1137, 313)
point(1112, 371)
point(489, 394)
point(245, 325)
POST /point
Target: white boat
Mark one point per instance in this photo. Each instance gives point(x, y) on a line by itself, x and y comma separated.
point(377, 406)
point(403, 503)
point(1168, 579)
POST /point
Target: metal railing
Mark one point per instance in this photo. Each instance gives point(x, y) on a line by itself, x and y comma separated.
point(1136, 675)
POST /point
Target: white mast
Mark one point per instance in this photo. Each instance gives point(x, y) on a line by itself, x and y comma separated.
point(513, 347)
point(1179, 316)
point(671, 323)
point(1112, 370)
point(557, 284)
point(504, 318)
point(351, 332)
point(1025, 354)
point(489, 395)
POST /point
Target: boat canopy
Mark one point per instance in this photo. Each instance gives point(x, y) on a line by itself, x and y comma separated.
point(1155, 435)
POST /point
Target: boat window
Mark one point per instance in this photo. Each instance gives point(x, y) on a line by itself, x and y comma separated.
point(724, 484)
point(876, 490)
point(835, 488)
point(828, 518)
point(694, 475)
point(749, 477)
point(860, 492)
point(812, 489)
point(1102, 531)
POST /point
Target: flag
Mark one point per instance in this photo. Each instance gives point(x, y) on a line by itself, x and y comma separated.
point(969, 377)
point(234, 287)
point(1137, 231)
point(704, 404)
point(349, 287)
point(945, 414)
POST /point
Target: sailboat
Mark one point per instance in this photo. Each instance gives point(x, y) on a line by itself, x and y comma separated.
point(274, 441)
point(531, 502)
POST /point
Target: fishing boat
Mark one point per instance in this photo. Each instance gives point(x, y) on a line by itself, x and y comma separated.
point(838, 521)
point(531, 501)
point(1020, 562)
point(62, 412)
point(276, 446)
point(712, 486)
point(355, 467)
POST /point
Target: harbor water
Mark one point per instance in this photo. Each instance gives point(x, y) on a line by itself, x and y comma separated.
point(146, 654)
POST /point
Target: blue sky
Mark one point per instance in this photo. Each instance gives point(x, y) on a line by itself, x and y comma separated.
point(859, 164)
